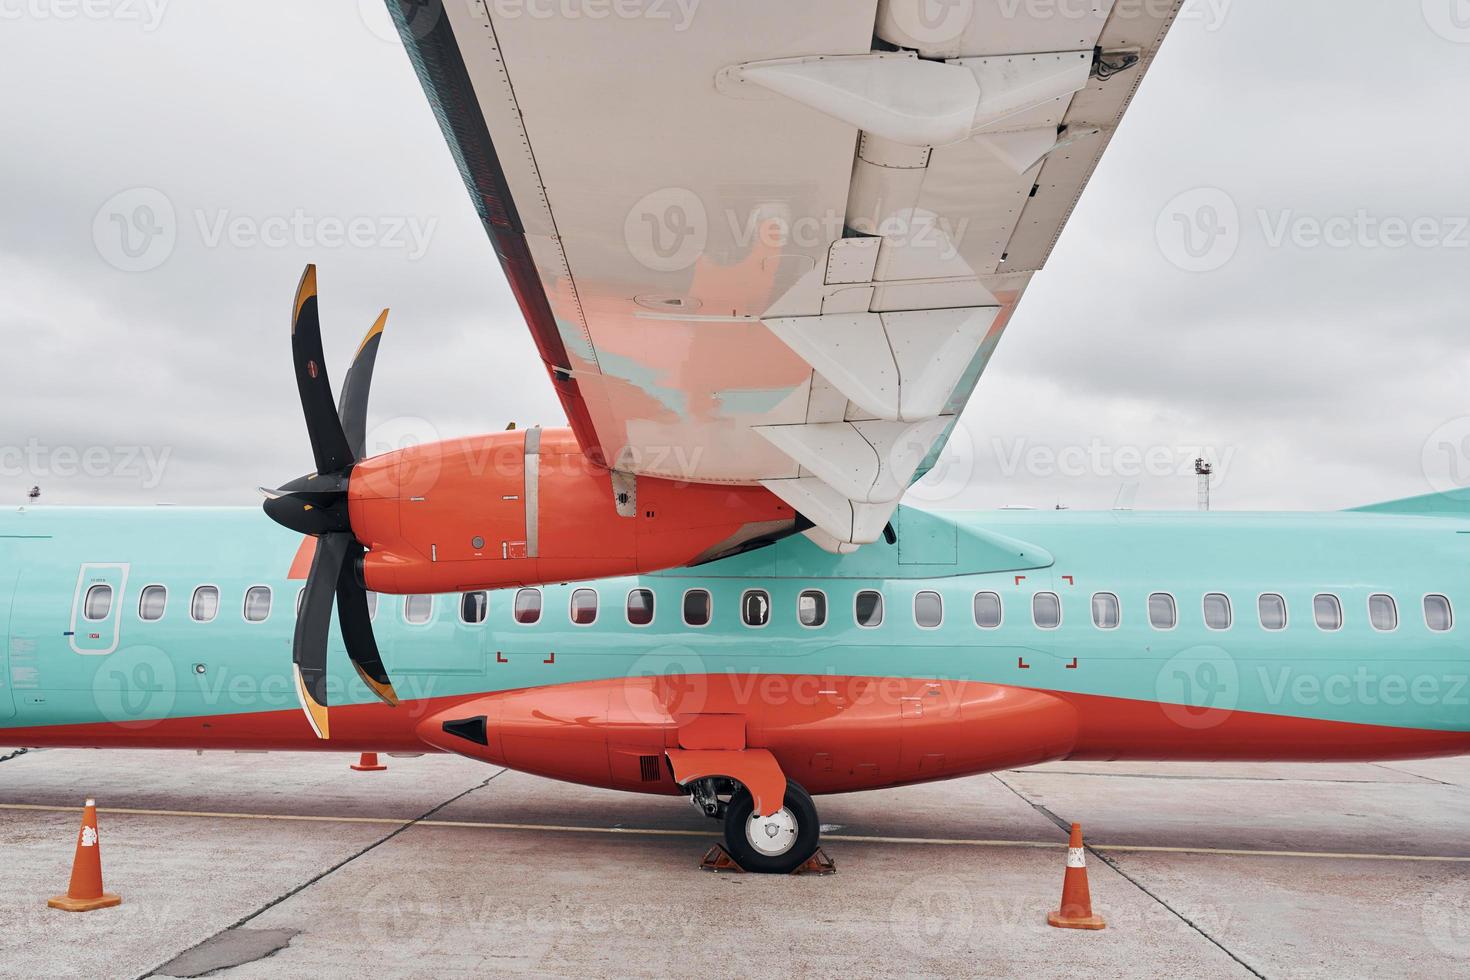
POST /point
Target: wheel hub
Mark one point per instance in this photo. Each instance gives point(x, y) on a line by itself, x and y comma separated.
point(774, 835)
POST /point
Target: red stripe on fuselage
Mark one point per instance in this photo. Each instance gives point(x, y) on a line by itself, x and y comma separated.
point(832, 734)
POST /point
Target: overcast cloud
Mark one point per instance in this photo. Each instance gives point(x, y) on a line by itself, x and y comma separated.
point(1317, 347)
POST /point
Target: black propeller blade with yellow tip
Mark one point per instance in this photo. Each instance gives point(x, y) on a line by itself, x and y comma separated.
point(317, 505)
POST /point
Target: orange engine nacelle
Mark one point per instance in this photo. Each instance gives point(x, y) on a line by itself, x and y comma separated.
point(527, 507)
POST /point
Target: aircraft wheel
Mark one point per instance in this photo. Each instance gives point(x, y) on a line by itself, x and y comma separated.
point(778, 844)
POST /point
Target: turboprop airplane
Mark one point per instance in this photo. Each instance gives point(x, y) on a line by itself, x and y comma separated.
point(766, 251)
point(976, 642)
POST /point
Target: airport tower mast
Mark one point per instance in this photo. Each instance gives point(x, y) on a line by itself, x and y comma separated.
point(1202, 471)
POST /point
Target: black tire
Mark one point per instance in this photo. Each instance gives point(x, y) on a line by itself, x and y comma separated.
point(802, 810)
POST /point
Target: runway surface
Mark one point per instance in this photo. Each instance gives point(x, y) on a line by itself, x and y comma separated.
point(256, 865)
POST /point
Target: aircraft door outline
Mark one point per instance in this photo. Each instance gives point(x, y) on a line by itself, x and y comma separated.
point(97, 638)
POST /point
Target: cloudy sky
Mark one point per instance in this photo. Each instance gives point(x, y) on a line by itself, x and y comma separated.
point(1319, 351)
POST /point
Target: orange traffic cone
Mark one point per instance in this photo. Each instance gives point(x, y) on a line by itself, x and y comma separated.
point(368, 762)
point(85, 893)
point(1076, 910)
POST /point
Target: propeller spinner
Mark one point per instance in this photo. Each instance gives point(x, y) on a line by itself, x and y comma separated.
point(317, 505)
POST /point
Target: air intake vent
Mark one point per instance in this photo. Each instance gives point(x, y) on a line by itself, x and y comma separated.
point(651, 768)
point(469, 729)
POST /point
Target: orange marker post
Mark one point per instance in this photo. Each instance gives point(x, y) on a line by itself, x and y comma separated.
point(1076, 909)
point(85, 892)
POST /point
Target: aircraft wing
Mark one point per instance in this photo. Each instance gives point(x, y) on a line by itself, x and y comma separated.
point(773, 242)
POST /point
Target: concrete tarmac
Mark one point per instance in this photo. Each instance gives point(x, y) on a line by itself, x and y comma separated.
point(292, 865)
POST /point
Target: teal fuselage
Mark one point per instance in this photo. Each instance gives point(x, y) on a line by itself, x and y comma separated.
point(117, 678)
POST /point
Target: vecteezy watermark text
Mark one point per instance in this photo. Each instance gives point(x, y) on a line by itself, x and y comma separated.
point(137, 230)
point(145, 13)
point(1102, 459)
point(678, 13)
point(299, 229)
point(672, 228)
point(1200, 230)
point(37, 460)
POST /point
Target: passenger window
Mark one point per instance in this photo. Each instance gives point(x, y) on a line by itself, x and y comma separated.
point(528, 606)
point(98, 603)
point(1437, 613)
point(1106, 613)
point(1327, 610)
point(584, 607)
point(868, 608)
point(152, 602)
point(417, 609)
point(204, 605)
point(257, 603)
point(1046, 610)
point(811, 608)
point(755, 607)
point(987, 610)
point(1383, 612)
point(697, 607)
point(1272, 610)
point(1162, 613)
point(928, 610)
point(472, 607)
point(640, 607)
point(1217, 611)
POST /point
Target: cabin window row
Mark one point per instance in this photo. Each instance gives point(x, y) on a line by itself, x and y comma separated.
point(1217, 611)
point(204, 603)
point(697, 608)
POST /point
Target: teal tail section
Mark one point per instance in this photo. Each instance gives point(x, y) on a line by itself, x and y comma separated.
point(1455, 503)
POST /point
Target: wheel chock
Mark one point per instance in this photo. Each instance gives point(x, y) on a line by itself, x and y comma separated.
point(818, 864)
point(717, 859)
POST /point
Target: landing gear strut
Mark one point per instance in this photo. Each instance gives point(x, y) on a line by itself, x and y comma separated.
point(775, 844)
point(705, 794)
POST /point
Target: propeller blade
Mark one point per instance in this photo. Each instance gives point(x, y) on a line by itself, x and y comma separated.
point(309, 645)
point(352, 407)
point(329, 445)
point(317, 504)
point(356, 621)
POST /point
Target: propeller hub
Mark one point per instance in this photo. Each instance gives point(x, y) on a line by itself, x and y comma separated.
point(306, 512)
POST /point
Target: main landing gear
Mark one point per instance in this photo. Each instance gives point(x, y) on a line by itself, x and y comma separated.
point(775, 844)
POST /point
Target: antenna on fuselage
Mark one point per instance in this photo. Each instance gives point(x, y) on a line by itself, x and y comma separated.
point(1126, 495)
point(1202, 471)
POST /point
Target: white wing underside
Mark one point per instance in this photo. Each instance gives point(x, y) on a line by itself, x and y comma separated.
point(772, 254)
